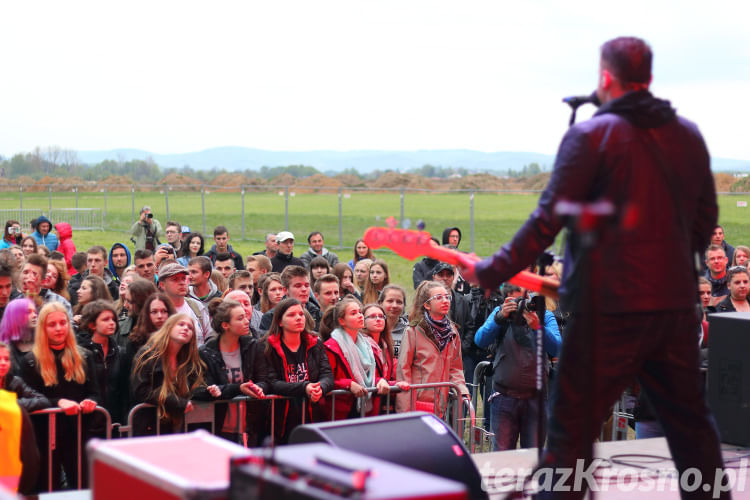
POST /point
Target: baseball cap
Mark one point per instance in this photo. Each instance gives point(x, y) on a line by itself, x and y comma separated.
point(171, 269)
point(442, 266)
point(283, 236)
point(185, 229)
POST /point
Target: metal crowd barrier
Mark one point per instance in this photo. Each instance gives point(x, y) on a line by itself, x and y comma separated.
point(52, 437)
point(479, 434)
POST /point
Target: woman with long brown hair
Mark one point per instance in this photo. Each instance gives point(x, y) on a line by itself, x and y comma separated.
point(377, 279)
point(361, 251)
point(167, 373)
point(273, 291)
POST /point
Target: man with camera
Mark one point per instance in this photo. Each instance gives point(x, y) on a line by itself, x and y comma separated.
point(146, 230)
point(515, 403)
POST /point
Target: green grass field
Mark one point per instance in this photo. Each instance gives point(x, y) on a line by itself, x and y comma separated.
point(496, 217)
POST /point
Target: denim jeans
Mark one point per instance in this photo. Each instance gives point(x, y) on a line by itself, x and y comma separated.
point(512, 418)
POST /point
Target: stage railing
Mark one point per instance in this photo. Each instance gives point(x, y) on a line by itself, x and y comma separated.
point(52, 414)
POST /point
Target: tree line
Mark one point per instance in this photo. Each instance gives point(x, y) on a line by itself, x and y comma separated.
point(54, 161)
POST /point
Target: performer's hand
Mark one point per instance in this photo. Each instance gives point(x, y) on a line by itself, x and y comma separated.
point(466, 264)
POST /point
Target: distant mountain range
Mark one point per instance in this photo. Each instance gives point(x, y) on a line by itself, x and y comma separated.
point(364, 161)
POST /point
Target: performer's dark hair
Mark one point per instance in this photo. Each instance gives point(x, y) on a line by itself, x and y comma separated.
point(629, 58)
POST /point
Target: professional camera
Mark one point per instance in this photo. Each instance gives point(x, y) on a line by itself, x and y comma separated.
point(534, 304)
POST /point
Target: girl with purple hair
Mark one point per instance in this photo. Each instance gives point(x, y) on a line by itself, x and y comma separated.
point(17, 330)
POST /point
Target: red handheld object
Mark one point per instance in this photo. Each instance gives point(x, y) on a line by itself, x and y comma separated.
point(412, 244)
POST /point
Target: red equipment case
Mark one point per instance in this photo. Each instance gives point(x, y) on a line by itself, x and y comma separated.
point(179, 466)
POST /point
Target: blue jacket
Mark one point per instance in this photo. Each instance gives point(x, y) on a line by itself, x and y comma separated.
point(489, 331)
point(111, 266)
point(49, 240)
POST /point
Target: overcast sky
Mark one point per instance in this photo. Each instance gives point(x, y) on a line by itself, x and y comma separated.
point(175, 77)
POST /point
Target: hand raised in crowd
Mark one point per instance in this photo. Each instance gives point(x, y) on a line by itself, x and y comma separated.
point(69, 407)
point(357, 389)
point(88, 405)
point(383, 386)
point(214, 390)
point(313, 391)
point(250, 389)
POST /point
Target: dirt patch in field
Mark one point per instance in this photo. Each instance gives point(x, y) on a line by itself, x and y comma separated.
point(727, 182)
point(283, 180)
point(317, 183)
point(117, 183)
point(391, 180)
point(233, 182)
point(181, 182)
point(349, 180)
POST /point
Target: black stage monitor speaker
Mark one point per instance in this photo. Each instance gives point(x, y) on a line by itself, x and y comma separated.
point(417, 440)
point(729, 375)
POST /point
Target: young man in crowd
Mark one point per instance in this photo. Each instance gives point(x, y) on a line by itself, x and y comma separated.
point(224, 263)
point(285, 256)
point(95, 261)
point(172, 232)
point(326, 291)
point(43, 234)
point(144, 265)
point(221, 245)
point(296, 280)
point(315, 240)
point(716, 262)
point(119, 259)
point(173, 280)
point(202, 288)
point(258, 265)
point(7, 291)
point(242, 280)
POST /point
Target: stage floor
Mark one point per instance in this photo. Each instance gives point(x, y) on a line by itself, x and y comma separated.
point(633, 476)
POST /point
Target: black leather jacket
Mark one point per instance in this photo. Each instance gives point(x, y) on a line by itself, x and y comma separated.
point(653, 166)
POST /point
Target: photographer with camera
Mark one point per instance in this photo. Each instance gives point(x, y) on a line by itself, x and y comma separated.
point(12, 234)
point(146, 230)
point(514, 404)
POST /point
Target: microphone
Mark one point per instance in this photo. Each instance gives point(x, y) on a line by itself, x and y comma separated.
point(579, 100)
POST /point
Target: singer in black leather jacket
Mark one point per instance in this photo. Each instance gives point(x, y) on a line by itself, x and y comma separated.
point(633, 293)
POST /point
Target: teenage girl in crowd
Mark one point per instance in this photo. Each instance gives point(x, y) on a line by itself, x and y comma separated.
point(192, 247)
point(12, 234)
point(430, 350)
point(167, 373)
point(65, 374)
point(361, 251)
point(92, 288)
point(378, 278)
point(362, 273)
point(134, 299)
point(56, 279)
point(346, 280)
point(17, 330)
point(273, 292)
point(393, 300)
point(296, 366)
point(29, 246)
point(740, 256)
point(376, 328)
point(353, 363)
point(234, 367)
point(97, 334)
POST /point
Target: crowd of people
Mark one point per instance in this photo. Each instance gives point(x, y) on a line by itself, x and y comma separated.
point(170, 323)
